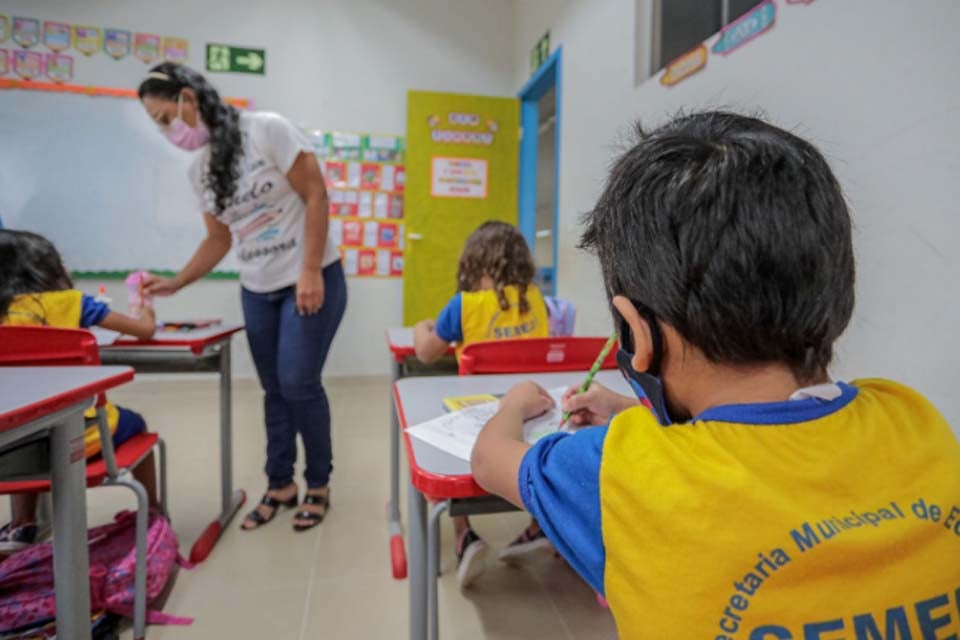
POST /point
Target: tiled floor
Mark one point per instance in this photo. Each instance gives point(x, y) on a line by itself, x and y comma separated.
point(333, 582)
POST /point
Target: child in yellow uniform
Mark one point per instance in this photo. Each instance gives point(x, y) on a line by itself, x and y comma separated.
point(496, 300)
point(36, 290)
point(759, 499)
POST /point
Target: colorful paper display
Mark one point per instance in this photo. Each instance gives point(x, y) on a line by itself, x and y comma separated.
point(175, 50)
point(685, 66)
point(146, 47)
point(28, 64)
point(56, 36)
point(4, 62)
point(26, 32)
point(747, 27)
point(4, 28)
point(117, 42)
point(87, 40)
point(365, 180)
point(59, 67)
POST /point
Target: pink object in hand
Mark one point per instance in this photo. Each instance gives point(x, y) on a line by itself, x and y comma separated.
point(136, 297)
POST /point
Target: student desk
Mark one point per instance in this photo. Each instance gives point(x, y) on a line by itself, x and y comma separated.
point(206, 349)
point(403, 364)
point(51, 400)
point(446, 478)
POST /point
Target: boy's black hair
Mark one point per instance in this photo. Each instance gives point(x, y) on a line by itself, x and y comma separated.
point(735, 233)
point(29, 263)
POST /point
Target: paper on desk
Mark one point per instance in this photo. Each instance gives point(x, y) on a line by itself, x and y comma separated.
point(457, 431)
point(104, 336)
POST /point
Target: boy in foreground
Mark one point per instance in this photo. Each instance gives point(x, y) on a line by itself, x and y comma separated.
point(759, 499)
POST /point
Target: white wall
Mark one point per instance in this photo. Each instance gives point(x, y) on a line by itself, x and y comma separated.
point(869, 83)
point(331, 64)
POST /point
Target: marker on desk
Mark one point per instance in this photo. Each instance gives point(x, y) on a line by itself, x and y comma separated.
point(612, 340)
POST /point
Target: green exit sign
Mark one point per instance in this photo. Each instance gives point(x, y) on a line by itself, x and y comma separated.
point(229, 59)
point(540, 53)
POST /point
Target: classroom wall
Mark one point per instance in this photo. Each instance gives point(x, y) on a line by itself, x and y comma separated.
point(868, 82)
point(330, 65)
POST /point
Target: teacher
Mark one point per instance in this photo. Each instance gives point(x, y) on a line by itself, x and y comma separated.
point(261, 189)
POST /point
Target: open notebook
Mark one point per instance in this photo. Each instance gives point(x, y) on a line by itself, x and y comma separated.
point(457, 431)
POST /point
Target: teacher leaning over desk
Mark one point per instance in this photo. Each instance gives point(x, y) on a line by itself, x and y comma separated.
point(260, 189)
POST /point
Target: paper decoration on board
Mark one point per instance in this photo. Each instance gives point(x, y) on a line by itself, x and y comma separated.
point(117, 42)
point(59, 67)
point(4, 62)
point(396, 263)
point(175, 50)
point(745, 28)
point(365, 179)
point(685, 66)
point(346, 146)
point(4, 28)
point(383, 148)
point(87, 40)
point(28, 64)
point(458, 177)
point(146, 47)
point(26, 31)
point(367, 262)
point(370, 176)
point(56, 36)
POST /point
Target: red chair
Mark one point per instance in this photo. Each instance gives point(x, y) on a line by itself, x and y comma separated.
point(534, 355)
point(46, 346)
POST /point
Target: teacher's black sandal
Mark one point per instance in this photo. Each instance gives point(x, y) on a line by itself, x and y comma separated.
point(267, 500)
point(312, 519)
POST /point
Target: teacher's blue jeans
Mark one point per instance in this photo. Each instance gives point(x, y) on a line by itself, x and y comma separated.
point(289, 351)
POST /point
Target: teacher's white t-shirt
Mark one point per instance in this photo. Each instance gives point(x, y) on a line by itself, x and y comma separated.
point(265, 215)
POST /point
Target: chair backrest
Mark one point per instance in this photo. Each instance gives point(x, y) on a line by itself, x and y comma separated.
point(533, 355)
point(563, 315)
point(47, 347)
point(26, 346)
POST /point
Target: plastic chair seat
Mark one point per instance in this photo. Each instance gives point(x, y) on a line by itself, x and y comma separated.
point(127, 455)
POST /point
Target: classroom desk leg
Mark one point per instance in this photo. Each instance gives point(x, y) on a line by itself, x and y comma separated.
point(433, 567)
point(398, 560)
point(417, 556)
point(71, 562)
point(230, 500)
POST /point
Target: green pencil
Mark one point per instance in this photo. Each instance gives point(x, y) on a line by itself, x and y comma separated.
point(593, 371)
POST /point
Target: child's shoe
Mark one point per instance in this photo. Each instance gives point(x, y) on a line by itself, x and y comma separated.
point(17, 538)
point(471, 557)
point(530, 541)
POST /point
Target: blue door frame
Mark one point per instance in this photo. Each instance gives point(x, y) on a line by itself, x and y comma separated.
point(547, 77)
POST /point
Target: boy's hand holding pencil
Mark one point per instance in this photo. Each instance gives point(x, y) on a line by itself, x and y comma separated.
point(595, 406)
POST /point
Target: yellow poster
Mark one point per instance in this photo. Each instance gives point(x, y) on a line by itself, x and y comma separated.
point(462, 155)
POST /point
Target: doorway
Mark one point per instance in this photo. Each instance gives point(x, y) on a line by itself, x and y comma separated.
point(540, 169)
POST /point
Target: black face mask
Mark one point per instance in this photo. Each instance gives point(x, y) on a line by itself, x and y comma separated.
point(644, 383)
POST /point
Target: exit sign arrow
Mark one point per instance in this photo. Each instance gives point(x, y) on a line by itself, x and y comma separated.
point(253, 61)
point(226, 58)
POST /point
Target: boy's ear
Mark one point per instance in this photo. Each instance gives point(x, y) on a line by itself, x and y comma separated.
point(642, 338)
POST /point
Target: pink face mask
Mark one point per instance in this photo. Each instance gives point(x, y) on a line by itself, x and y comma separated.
point(183, 135)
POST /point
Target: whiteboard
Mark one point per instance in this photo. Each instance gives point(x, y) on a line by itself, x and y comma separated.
point(96, 176)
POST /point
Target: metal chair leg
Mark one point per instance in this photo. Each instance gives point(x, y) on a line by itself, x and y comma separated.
point(140, 576)
point(162, 471)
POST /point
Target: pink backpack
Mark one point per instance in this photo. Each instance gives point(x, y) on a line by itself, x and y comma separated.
point(26, 579)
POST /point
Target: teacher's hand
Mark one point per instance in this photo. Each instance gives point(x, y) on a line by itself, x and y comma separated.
point(159, 286)
point(310, 291)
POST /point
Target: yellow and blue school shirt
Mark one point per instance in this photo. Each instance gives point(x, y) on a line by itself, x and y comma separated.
point(476, 316)
point(72, 309)
point(800, 520)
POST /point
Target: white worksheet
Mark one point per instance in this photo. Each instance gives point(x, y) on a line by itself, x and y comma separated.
point(457, 431)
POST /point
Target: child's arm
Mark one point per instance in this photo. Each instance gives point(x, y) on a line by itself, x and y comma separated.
point(496, 457)
point(427, 345)
point(143, 327)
